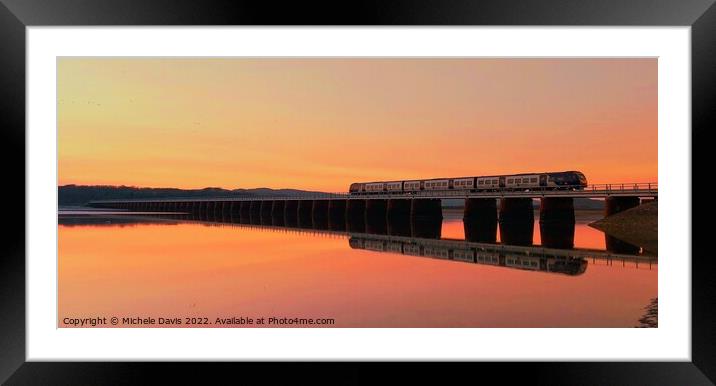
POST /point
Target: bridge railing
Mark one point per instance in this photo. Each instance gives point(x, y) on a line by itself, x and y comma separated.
point(629, 186)
point(637, 188)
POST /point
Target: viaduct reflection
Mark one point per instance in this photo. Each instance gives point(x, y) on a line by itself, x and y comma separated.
point(415, 236)
point(513, 218)
point(483, 229)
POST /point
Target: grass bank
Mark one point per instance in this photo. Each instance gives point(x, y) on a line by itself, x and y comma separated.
point(638, 226)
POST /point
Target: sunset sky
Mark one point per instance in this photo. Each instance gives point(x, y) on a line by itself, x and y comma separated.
point(320, 124)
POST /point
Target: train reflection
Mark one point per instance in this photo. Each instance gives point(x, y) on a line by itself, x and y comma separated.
point(525, 258)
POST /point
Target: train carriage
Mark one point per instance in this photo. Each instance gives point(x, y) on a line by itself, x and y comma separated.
point(522, 182)
point(412, 186)
point(443, 184)
point(464, 183)
point(374, 187)
point(569, 180)
point(396, 186)
point(487, 183)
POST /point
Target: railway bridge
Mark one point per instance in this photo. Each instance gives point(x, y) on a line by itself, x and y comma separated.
point(508, 207)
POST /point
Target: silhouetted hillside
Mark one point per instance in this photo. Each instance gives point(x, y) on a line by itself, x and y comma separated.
point(81, 194)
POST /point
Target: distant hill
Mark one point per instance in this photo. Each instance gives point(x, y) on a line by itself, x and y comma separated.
point(82, 194)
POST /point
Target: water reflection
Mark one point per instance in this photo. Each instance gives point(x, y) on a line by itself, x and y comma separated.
point(619, 246)
point(407, 273)
point(517, 233)
point(557, 234)
point(421, 236)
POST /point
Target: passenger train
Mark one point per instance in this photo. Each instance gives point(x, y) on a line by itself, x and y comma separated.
point(569, 180)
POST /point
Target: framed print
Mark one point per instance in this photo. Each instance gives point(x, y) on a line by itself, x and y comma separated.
point(395, 182)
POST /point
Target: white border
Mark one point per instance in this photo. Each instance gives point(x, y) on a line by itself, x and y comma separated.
point(671, 341)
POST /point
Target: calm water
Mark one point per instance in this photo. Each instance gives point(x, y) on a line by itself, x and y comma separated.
point(129, 266)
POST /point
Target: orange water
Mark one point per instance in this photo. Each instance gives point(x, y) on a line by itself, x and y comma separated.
point(189, 269)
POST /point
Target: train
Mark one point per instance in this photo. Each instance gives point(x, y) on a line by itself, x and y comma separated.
point(567, 180)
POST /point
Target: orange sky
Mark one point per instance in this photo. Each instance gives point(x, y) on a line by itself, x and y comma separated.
point(321, 124)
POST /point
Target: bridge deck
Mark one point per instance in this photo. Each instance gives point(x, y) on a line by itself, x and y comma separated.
point(592, 191)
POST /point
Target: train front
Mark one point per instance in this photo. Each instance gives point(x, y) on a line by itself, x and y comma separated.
point(582, 179)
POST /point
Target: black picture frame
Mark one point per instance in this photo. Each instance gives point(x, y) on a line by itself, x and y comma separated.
point(16, 15)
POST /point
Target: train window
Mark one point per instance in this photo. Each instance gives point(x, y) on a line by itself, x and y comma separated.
point(533, 179)
point(480, 182)
point(509, 181)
